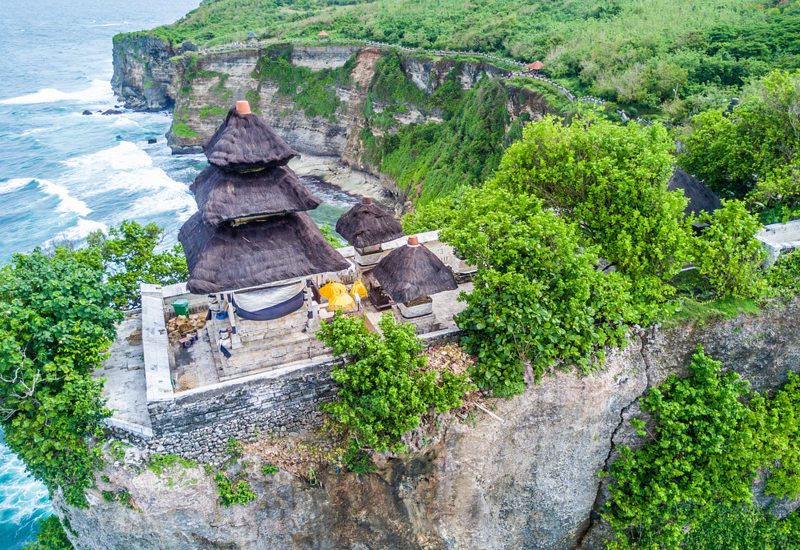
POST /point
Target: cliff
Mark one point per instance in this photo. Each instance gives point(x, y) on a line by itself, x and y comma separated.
point(324, 100)
point(528, 480)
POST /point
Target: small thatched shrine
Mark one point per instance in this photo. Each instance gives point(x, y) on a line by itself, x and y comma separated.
point(251, 246)
point(366, 226)
point(410, 274)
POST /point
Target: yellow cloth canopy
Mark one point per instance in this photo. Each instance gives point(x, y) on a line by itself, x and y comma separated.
point(332, 289)
point(358, 287)
point(343, 301)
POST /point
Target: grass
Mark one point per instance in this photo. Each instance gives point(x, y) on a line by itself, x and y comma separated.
point(690, 310)
point(183, 131)
point(160, 463)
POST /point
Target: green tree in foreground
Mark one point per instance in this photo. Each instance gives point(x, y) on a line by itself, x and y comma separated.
point(129, 257)
point(538, 302)
point(56, 321)
point(51, 536)
point(692, 480)
point(384, 384)
point(611, 180)
point(728, 256)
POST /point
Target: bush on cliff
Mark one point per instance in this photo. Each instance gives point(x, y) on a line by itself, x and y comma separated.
point(56, 321)
point(129, 258)
point(692, 481)
point(384, 384)
point(51, 536)
point(538, 300)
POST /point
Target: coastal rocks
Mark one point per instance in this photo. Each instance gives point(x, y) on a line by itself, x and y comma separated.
point(145, 76)
point(528, 481)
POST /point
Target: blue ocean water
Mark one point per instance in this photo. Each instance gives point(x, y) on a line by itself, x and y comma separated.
point(63, 174)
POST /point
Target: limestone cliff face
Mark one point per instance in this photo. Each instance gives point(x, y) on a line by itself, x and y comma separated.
point(202, 86)
point(526, 482)
point(145, 75)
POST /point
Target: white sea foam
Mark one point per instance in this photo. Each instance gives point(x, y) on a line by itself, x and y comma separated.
point(77, 232)
point(98, 90)
point(124, 156)
point(67, 203)
point(22, 498)
point(14, 184)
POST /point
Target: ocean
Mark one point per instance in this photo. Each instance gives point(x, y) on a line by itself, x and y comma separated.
point(64, 174)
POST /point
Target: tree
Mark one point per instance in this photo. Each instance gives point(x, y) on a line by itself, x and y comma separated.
point(129, 257)
point(728, 256)
point(538, 302)
point(611, 180)
point(754, 151)
point(384, 384)
point(51, 536)
point(56, 321)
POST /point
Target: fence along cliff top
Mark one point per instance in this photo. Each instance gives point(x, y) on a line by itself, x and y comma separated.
point(251, 228)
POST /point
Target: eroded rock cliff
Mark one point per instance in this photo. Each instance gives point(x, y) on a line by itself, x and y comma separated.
point(528, 481)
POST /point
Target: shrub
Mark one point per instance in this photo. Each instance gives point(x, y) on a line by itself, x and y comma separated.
point(727, 254)
point(784, 275)
point(159, 464)
point(269, 469)
point(51, 536)
point(538, 302)
point(233, 492)
point(384, 386)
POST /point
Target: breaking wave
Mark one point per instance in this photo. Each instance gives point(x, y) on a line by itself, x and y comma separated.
point(98, 90)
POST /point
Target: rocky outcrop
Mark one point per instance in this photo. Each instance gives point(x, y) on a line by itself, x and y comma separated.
point(146, 76)
point(527, 480)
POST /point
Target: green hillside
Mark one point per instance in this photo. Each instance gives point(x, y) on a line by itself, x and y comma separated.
point(679, 55)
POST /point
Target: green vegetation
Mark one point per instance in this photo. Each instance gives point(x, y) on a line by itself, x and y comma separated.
point(751, 153)
point(330, 236)
point(683, 56)
point(692, 481)
point(728, 256)
point(233, 491)
point(269, 469)
point(538, 302)
point(384, 385)
point(159, 464)
point(51, 536)
point(432, 160)
point(56, 323)
point(208, 111)
point(312, 91)
point(183, 130)
point(784, 275)
point(129, 257)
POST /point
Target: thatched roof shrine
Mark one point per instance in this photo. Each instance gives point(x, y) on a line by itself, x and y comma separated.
point(244, 142)
point(412, 271)
point(701, 198)
point(225, 196)
point(367, 224)
point(278, 248)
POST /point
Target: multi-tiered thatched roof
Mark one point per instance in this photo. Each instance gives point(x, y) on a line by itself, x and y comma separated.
point(367, 224)
point(251, 229)
point(245, 142)
point(412, 271)
point(276, 249)
point(226, 196)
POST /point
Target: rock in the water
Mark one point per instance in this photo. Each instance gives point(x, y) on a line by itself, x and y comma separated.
point(152, 140)
point(87, 112)
point(112, 112)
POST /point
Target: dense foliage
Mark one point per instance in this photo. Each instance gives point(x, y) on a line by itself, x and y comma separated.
point(129, 258)
point(684, 55)
point(233, 491)
point(784, 275)
point(538, 302)
point(56, 321)
point(752, 152)
point(727, 254)
point(51, 536)
point(432, 160)
point(611, 180)
point(384, 384)
point(694, 475)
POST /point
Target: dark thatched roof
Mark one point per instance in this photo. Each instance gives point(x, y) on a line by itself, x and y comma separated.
point(701, 198)
point(411, 272)
point(368, 224)
point(224, 196)
point(246, 142)
point(230, 258)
